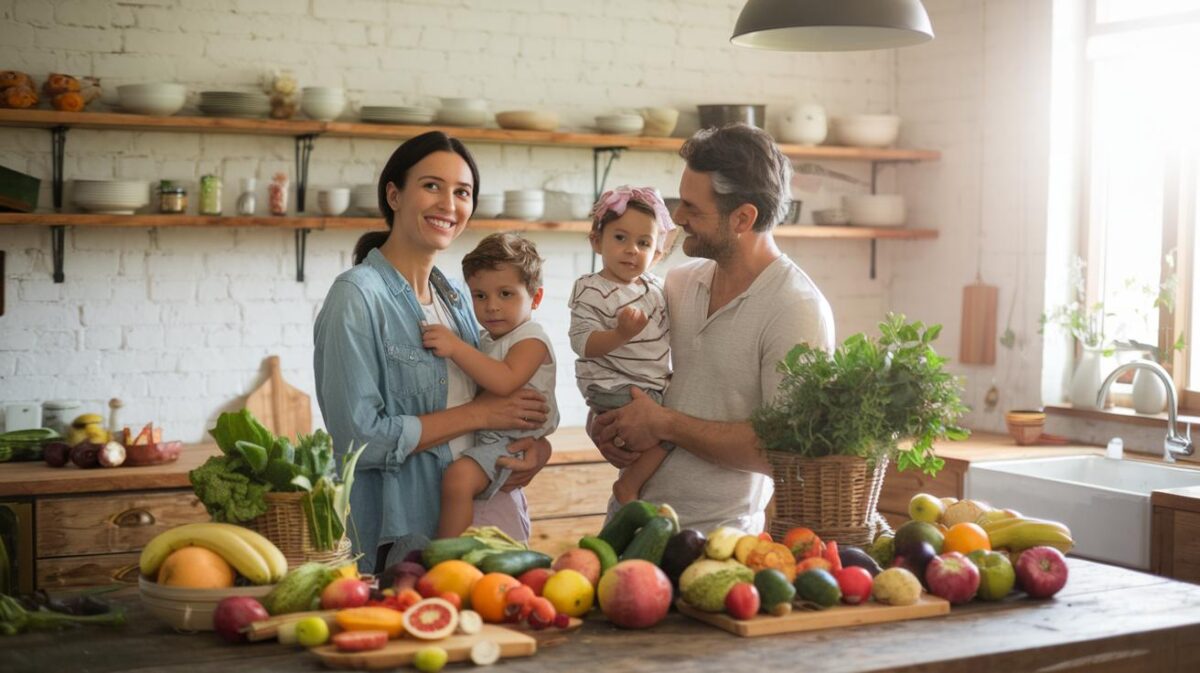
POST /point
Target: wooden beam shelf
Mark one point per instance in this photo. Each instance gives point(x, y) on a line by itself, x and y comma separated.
point(50, 119)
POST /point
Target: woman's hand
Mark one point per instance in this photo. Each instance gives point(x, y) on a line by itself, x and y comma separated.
point(537, 454)
point(525, 409)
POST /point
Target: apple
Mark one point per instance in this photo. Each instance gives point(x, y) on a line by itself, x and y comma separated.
point(925, 507)
point(953, 577)
point(996, 574)
point(855, 583)
point(535, 579)
point(345, 592)
point(234, 614)
point(1042, 571)
point(742, 601)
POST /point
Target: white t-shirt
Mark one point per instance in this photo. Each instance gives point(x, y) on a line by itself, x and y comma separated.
point(460, 387)
point(543, 379)
point(645, 360)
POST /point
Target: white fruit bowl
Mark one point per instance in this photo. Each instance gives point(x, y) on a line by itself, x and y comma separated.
point(867, 130)
point(190, 609)
point(159, 99)
point(874, 210)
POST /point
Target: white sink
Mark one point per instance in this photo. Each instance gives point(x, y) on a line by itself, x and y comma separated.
point(1105, 502)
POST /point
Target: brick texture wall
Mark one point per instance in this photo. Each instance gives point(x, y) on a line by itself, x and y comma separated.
point(176, 322)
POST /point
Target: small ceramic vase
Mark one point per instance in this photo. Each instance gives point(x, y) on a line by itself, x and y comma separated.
point(804, 125)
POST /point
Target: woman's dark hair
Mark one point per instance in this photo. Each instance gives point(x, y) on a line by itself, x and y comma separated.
point(396, 170)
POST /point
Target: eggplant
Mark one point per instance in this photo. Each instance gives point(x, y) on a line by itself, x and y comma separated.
point(683, 548)
point(853, 556)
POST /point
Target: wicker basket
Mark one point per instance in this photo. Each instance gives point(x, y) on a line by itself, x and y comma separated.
point(284, 524)
point(835, 496)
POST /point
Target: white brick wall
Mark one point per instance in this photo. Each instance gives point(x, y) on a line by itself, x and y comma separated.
point(176, 322)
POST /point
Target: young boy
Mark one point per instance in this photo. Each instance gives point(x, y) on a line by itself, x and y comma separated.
point(504, 274)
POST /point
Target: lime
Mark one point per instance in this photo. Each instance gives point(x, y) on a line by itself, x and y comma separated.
point(430, 659)
point(312, 631)
point(818, 586)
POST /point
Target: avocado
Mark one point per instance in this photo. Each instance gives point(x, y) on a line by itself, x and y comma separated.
point(853, 556)
point(682, 549)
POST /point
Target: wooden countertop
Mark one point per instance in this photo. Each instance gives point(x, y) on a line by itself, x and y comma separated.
point(34, 478)
point(1106, 618)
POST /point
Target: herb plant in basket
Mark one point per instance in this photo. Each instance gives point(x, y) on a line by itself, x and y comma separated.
point(840, 417)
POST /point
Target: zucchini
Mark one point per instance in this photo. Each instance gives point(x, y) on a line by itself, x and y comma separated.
point(651, 541)
point(514, 563)
point(602, 550)
point(623, 525)
point(448, 548)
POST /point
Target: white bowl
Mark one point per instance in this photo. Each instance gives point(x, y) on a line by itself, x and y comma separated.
point(322, 108)
point(620, 123)
point(527, 120)
point(568, 205)
point(489, 206)
point(659, 121)
point(829, 217)
point(524, 210)
point(155, 98)
point(867, 130)
point(874, 210)
point(190, 609)
point(333, 202)
point(464, 104)
point(112, 197)
point(524, 195)
point(323, 92)
point(461, 117)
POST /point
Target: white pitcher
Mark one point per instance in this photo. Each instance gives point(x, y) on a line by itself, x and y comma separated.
point(804, 125)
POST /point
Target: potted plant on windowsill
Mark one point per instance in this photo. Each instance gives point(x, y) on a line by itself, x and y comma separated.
point(840, 417)
point(1084, 322)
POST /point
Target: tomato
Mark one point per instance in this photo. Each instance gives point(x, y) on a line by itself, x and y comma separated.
point(855, 583)
point(360, 641)
point(831, 554)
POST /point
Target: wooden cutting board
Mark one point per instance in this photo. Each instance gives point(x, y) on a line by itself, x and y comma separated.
point(813, 620)
point(978, 339)
point(401, 651)
point(282, 408)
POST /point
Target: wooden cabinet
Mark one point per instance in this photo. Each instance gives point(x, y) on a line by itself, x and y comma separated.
point(1175, 543)
point(899, 487)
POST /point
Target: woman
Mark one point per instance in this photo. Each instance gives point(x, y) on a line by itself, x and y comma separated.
point(377, 385)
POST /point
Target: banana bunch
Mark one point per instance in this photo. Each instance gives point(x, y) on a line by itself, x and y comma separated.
point(255, 557)
point(88, 428)
point(1020, 533)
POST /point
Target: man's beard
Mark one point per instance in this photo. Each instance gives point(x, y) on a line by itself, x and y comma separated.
point(717, 247)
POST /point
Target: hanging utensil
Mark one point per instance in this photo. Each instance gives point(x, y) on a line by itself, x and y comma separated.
point(978, 333)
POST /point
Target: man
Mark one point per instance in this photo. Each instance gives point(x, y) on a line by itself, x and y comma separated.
point(735, 313)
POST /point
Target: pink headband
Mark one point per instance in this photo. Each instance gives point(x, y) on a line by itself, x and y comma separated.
point(617, 200)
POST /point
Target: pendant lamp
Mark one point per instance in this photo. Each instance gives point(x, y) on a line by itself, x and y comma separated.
point(831, 25)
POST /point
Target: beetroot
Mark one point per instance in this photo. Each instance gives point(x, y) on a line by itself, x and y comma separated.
point(234, 614)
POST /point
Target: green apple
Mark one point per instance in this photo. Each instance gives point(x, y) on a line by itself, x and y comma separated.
point(925, 507)
point(312, 631)
point(430, 659)
point(996, 574)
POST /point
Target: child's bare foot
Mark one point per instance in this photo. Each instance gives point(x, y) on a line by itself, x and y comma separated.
point(624, 493)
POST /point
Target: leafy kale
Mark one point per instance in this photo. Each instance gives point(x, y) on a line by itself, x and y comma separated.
point(228, 495)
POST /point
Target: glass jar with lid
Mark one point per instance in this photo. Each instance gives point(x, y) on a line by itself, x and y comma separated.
point(172, 198)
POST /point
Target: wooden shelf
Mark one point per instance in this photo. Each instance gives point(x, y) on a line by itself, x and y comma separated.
point(371, 223)
point(48, 119)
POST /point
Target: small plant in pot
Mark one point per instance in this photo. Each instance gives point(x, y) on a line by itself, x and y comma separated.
point(872, 400)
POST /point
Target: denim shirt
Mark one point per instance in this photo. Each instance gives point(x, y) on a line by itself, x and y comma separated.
point(374, 378)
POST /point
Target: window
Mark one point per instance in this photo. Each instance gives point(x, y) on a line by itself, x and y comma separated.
point(1143, 147)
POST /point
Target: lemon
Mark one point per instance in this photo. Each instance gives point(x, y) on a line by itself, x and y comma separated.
point(570, 592)
point(312, 631)
point(430, 659)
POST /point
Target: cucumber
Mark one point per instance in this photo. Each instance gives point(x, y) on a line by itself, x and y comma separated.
point(623, 525)
point(602, 550)
point(448, 548)
point(651, 541)
point(514, 563)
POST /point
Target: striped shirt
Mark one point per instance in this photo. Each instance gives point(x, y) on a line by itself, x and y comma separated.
point(644, 361)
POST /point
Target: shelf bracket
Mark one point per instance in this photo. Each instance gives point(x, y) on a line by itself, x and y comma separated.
point(301, 249)
point(874, 179)
point(58, 237)
point(598, 178)
point(872, 273)
point(58, 148)
point(304, 149)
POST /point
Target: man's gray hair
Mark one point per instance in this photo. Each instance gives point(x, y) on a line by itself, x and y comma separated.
point(746, 166)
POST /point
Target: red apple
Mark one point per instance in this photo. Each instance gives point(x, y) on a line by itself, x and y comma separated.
point(234, 614)
point(742, 601)
point(1042, 571)
point(345, 592)
point(535, 579)
point(952, 577)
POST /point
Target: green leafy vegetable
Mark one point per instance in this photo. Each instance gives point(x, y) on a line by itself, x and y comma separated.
point(240, 426)
point(227, 494)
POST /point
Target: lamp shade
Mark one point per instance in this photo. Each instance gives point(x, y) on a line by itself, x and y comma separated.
point(831, 25)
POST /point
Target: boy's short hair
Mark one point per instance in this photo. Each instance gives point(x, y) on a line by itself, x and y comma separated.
point(506, 248)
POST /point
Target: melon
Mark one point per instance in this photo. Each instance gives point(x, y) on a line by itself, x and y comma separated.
point(431, 619)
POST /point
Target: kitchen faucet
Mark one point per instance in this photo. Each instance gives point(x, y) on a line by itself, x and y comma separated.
point(1175, 444)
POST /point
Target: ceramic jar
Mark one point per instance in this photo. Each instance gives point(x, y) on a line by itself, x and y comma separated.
point(804, 125)
point(1149, 394)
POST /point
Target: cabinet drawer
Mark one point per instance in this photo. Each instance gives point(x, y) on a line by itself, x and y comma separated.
point(899, 487)
point(1185, 547)
point(84, 571)
point(120, 522)
point(571, 490)
point(555, 536)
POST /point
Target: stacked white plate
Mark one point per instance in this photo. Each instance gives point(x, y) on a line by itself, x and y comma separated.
point(234, 104)
point(568, 205)
point(159, 99)
point(111, 197)
point(322, 103)
point(396, 114)
point(463, 112)
point(524, 204)
point(364, 199)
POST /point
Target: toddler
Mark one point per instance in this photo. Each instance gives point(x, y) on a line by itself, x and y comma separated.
point(504, 274)
point(619, 324)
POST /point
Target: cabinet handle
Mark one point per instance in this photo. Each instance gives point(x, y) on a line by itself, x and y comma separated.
point(127, 574)
point(133, 518)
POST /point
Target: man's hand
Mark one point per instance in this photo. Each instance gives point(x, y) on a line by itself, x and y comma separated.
point(537, 454)
point(441, 340)
point(623, 434)
point(630, 322)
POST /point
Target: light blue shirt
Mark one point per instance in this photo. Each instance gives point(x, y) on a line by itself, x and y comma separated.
point(374, 378)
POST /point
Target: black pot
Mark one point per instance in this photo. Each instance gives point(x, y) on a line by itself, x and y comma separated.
point(721, 115)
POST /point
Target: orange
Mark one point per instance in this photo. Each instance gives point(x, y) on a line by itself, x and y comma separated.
point(488, 596)
point(195, 568)
point(965, 538)
point(454, 576)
